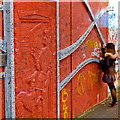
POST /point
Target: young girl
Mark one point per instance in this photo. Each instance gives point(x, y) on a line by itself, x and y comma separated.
point(108, 67)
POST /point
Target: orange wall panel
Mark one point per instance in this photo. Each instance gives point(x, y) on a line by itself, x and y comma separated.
point(35, 59)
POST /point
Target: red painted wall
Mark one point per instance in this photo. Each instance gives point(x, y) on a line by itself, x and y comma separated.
point(87, 86)
point(35, 59)
point(65, 64)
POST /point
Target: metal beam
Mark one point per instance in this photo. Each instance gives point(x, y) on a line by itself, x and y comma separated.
point(58, 61)
point(9, 69)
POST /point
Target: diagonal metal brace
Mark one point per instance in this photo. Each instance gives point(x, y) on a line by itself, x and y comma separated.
point(73, 73)
point(92, 15)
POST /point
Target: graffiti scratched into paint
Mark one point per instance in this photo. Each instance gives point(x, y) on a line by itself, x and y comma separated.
point(94, 77)
point(64, 100)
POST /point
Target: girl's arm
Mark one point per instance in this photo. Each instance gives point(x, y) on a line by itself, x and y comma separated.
point(103, 50)
point(111, 55)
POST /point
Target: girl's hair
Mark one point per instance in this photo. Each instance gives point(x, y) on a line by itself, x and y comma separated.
point(111, 46)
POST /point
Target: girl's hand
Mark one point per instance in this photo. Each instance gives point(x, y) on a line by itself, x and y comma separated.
point(101, 58)
point(111, 55)
point(108, 54)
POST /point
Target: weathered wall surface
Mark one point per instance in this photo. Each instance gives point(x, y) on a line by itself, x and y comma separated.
point(86, 89)
point(35, 59)
point(87, 86)
point(65, 65)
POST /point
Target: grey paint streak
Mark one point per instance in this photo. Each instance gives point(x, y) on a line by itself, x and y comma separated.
point(71, 75)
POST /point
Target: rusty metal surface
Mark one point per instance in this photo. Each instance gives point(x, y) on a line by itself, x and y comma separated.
point(35, 59)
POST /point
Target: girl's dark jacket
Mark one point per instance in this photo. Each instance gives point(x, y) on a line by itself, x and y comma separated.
point(107, 64)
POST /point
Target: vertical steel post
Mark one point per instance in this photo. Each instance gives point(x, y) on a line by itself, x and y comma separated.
point(9, 70)
point(58, 61)
point(12, 58)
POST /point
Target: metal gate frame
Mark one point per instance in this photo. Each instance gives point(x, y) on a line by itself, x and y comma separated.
point(7, 46)
point(61, 54)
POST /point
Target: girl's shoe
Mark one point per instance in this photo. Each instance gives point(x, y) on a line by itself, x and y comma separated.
point(113, 104)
